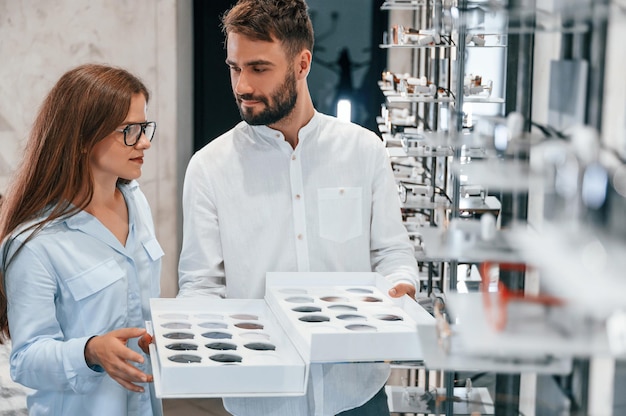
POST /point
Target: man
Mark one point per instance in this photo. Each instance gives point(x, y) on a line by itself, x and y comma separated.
point(290, 189)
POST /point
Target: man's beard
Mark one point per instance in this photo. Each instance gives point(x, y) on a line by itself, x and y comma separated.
point(284, 100)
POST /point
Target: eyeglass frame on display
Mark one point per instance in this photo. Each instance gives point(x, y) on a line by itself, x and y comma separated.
point(505, 295)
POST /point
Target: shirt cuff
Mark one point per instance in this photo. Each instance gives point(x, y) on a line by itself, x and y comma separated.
point(95, 367)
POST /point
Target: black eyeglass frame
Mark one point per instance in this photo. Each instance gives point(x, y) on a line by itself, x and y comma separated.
point(144, 125)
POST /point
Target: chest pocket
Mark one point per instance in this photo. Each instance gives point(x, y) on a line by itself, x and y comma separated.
point(94, 279)
point(340, 213)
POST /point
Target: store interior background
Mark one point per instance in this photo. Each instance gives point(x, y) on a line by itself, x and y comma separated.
point(176, 47)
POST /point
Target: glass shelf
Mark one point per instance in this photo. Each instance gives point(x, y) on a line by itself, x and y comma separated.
point(413, 46)
point(403, 4)
point(415, 98)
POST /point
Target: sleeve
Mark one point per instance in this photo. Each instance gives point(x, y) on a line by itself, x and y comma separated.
point(41, 357)
point(391, 251)
point(201, 265)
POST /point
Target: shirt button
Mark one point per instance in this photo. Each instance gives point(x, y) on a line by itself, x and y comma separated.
point(341, 191)
point(293, 157)
point(298, 196)
point(300, 236)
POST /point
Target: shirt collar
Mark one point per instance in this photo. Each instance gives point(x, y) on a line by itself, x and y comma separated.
point(274, 136)
point(81, 219)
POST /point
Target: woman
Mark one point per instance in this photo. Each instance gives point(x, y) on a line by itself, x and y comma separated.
point(80, 259)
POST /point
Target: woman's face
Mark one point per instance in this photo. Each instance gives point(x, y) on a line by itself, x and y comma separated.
point(111, 158)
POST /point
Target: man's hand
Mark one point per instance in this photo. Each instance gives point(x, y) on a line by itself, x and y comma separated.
point(111, 353)
point(402, 289)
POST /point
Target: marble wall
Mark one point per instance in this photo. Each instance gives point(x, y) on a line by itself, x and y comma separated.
point(40, 40)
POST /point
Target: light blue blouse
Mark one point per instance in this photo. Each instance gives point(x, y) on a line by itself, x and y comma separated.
point(72, 281)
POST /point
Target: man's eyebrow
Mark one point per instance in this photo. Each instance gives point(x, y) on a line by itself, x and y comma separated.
point(250, 63)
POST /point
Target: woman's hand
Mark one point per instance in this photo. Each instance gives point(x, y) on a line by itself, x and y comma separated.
point(144, 343)
point(111, 353)
point(402, 289)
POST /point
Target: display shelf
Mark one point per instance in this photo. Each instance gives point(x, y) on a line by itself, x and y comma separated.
point(498, 18)
point(424, 202)
point(396, 98)
point(564, 331)
point(486, 100)
point(459, 359)
point(434, 401)
point(404, 4)
point(467, 246)
point(581, 263)
point(414, 46)
point(498, 174)
point(481, 39)
point(578, 258)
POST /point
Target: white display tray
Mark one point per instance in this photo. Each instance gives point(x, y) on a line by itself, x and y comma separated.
point(229, 323)
point(346, 317)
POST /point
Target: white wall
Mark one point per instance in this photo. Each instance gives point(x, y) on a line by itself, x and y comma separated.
point(41, 39)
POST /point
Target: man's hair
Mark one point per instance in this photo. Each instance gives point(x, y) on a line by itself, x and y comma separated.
point(286, 21)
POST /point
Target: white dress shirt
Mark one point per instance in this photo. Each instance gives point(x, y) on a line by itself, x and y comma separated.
point(252, 204)
point(72, 281)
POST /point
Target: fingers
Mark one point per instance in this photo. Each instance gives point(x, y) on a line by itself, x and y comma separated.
point(112, 354)
point(402, 289)
point(128, 385)
point(127, 375)
point(128, 333)
point(144, 343)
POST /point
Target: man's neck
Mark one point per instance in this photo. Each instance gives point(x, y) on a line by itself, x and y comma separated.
point(300, 116)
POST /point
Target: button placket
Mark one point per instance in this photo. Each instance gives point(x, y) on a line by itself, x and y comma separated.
point(298, 209)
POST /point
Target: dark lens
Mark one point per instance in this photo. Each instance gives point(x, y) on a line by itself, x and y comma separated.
point(221, 346)
point(260, 346)
point(351, 317)
point(342, 308)
point(226, 358)
point(178, 335)
point(181, 347)
point(314, 318)
point(249, 325)
point(185, 358)
point(388, 317)
point(217, 335)
point(306, 309)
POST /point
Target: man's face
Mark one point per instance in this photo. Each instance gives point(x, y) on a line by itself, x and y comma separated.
point(263, 80)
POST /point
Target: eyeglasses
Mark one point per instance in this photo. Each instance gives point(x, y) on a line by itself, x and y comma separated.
point(409, 190)
point(132, 132)
point(498, 314)
point(442, 326)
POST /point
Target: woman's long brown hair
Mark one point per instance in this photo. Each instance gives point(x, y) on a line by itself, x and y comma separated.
point(54, 178)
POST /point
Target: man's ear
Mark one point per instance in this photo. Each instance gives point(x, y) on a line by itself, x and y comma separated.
point(303, 64)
